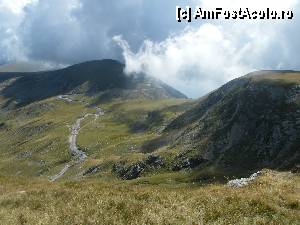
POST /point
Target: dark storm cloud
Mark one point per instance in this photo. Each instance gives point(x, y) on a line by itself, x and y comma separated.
point(68, 31)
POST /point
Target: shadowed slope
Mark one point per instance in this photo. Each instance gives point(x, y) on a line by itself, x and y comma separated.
point(249, 123)
point(88, 78)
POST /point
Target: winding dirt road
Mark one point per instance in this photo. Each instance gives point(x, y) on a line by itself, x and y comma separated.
point(78, 155)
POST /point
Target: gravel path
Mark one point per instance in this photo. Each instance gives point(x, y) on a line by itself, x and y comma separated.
point(78, 155)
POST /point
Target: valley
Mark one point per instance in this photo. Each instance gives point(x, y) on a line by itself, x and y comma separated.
point(89, 144)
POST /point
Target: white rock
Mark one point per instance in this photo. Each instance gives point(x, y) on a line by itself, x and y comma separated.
point(243, 181)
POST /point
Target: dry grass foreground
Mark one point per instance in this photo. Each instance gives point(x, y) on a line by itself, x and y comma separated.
point(272, 199)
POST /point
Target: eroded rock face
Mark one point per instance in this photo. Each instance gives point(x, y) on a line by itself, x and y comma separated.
point(188, 163)
point(296, 169)
point(24, 155)
point(130, 172)
point(245, 124)
point(134, 171)
point(154, 162)
point(262, 131)
point(92, 170)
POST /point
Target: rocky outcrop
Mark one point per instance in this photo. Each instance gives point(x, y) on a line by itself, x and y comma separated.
point(133, 171)
point(129, 172)
point(296, 169)
point(92, 170)
point(242, 182)
point(188, 163)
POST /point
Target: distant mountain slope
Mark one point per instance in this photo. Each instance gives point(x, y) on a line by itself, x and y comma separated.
point(89, 78)
point(22, 67)
point(249, 123)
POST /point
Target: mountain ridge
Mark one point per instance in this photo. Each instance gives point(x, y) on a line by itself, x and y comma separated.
point(249, 123)
point(90, 77)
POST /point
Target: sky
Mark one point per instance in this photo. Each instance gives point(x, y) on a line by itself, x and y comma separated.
point(195, 57)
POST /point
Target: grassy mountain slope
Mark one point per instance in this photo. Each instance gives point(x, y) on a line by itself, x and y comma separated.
point(272, 199)
point(90, 78)
point(34, 135)
point(152, 152)
point(249, 123)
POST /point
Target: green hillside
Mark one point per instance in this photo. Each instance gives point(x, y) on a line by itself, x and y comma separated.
point(104, 78)
point(271, 199)
point(38, 110)
point(248, 124)
point(89, 144)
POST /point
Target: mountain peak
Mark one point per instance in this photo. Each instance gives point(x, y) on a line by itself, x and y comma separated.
point(93, 77)
point(98, 63)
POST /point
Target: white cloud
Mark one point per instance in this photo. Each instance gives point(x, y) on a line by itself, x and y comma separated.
point(194, 61)
point(203, 57)
point(15, 6)
point(11, 16)
point(252, 4)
